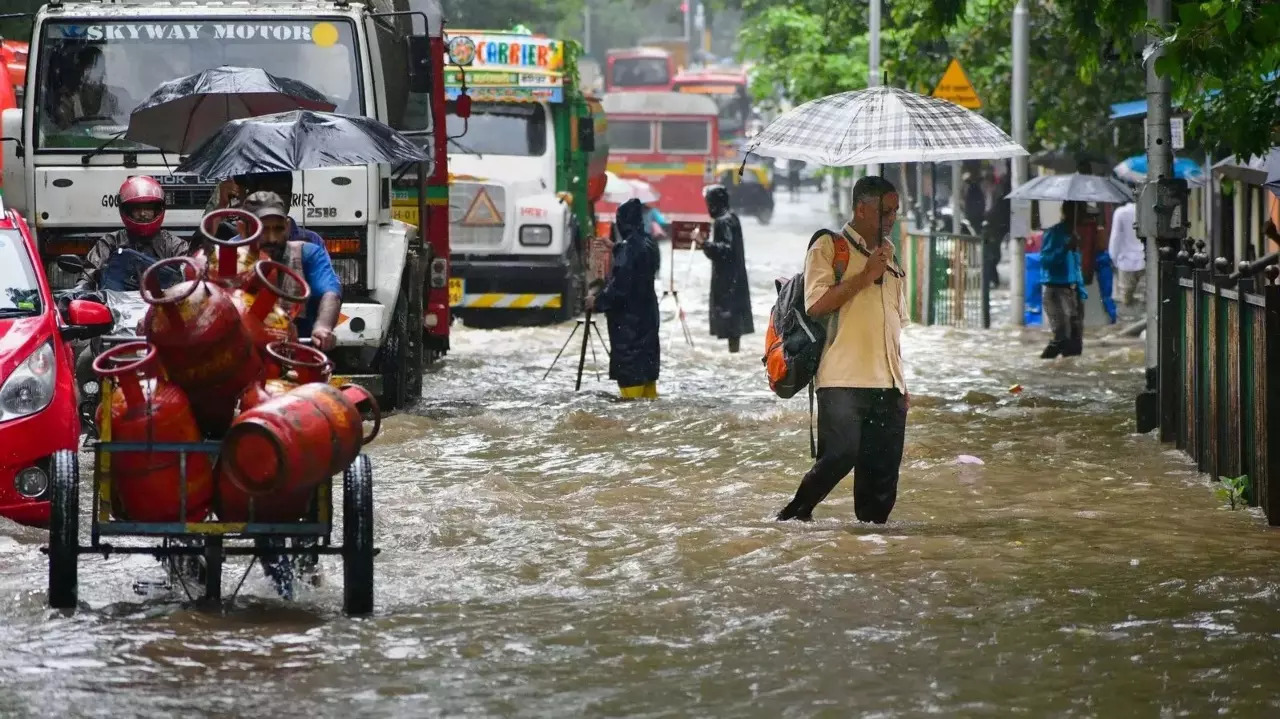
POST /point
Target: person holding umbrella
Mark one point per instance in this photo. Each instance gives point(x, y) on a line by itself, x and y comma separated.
point(1063, 280)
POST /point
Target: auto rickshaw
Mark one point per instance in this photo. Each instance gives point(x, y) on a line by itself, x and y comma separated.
point(752, 194)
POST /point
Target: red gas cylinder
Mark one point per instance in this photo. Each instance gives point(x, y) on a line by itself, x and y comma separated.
point(233, 262)
point(147, 486)
point(287, 366)
point(278, 451)
point(202, 344)
point(256, 300)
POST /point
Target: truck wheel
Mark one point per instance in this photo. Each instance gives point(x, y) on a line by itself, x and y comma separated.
point(394, 356)
point(764, 216)
point(64, 530)
point(575, 288)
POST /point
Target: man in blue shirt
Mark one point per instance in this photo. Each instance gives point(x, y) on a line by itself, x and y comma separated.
point(281, 183)
point(310, 260)
point(1063, 280)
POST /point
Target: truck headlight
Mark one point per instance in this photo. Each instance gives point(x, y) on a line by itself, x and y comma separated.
point(30, 388)
point(535, 235)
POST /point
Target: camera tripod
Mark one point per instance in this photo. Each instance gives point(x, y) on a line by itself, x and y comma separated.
point(587, 324)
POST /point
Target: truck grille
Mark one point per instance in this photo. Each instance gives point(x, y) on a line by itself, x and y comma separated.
point(187, 198)
point(477, 214)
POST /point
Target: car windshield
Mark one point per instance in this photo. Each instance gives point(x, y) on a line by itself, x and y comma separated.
point(19, 286)
point(640, 71)
point(96, 73)
point(499, 128)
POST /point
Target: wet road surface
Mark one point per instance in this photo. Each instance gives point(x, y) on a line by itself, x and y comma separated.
point(553, 554)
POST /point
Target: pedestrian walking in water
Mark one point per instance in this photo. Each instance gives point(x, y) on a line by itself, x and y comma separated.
point(630, 304)
point(730, 303)
point(1063, 280)
point(1126, 252)
point(862, 397)
point(793, 178)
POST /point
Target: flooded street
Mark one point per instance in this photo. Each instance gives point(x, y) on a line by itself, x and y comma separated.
point(548, 553)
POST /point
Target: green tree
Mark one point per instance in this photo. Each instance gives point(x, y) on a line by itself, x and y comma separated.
point(819, 47)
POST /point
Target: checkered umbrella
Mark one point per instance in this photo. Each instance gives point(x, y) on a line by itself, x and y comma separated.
point(882, 124)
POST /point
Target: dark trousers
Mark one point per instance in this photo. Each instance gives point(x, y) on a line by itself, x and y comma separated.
point(1065, 310)
point(859, 431)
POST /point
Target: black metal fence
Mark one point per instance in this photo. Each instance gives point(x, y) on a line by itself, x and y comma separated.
point(1219, 339)
point(947, 279)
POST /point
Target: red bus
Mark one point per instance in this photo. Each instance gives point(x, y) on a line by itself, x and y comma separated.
point(671, 141)
point(639, 69)
point(728, 89)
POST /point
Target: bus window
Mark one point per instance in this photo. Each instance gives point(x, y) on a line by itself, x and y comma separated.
point(639, 71)
point(630, 135)
point(685, 136)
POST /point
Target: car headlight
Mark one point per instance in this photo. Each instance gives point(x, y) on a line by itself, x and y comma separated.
point(29, 388)
point(535, 235)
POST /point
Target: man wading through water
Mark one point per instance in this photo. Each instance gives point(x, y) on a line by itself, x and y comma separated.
point(862, 397)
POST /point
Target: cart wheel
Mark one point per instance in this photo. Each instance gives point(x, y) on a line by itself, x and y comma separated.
point(64, 530)
point(357, 538)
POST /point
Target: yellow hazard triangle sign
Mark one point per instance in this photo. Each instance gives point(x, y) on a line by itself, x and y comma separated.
point(482, 212)
point(955, 86)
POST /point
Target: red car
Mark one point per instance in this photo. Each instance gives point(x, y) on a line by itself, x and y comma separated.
point(37, 373)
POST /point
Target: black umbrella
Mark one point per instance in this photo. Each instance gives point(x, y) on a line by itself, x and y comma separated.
point(298, 140)
point(182, 113)
point(1082, 188)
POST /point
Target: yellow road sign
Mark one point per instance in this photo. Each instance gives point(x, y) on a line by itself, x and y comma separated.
point(955, 86)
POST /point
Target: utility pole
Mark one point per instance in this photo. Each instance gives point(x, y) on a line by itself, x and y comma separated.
point(586, 27)
point(1161, 215)
point(1018, 166)
point(873, 60)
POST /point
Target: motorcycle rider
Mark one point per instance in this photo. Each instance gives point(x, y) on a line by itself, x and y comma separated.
point(141, 202)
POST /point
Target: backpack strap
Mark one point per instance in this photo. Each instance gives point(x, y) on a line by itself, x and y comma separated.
point(841, 260)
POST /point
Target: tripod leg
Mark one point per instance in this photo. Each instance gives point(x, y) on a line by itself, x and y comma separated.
point(582, 356)
point(562, 348)
point(684, 322)
point(603, 343)
point(595, 361)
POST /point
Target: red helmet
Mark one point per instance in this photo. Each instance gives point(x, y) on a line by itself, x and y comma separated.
point(141, 192)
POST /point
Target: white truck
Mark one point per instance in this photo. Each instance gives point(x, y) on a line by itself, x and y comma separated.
point(94, 61)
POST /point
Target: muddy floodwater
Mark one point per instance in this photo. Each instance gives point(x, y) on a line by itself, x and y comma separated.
point(548, 553)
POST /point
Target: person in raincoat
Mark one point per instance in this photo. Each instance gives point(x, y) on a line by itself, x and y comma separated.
point(730, 304)
point(630, 304)
point(1062, 275)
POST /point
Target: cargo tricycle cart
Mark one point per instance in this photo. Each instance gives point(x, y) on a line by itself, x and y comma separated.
point(204, 523)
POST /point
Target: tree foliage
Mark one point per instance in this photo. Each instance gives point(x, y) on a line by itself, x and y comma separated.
point(1222, 59)
point(819, 47)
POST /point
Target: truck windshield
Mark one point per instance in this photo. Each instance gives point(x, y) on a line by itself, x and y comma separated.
point(639, 71)
point(95, 72)
point(501, 128)
point(19, 289)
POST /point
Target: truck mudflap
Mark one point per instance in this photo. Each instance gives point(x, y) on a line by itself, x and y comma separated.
point(360, 324)
point(508, 283)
